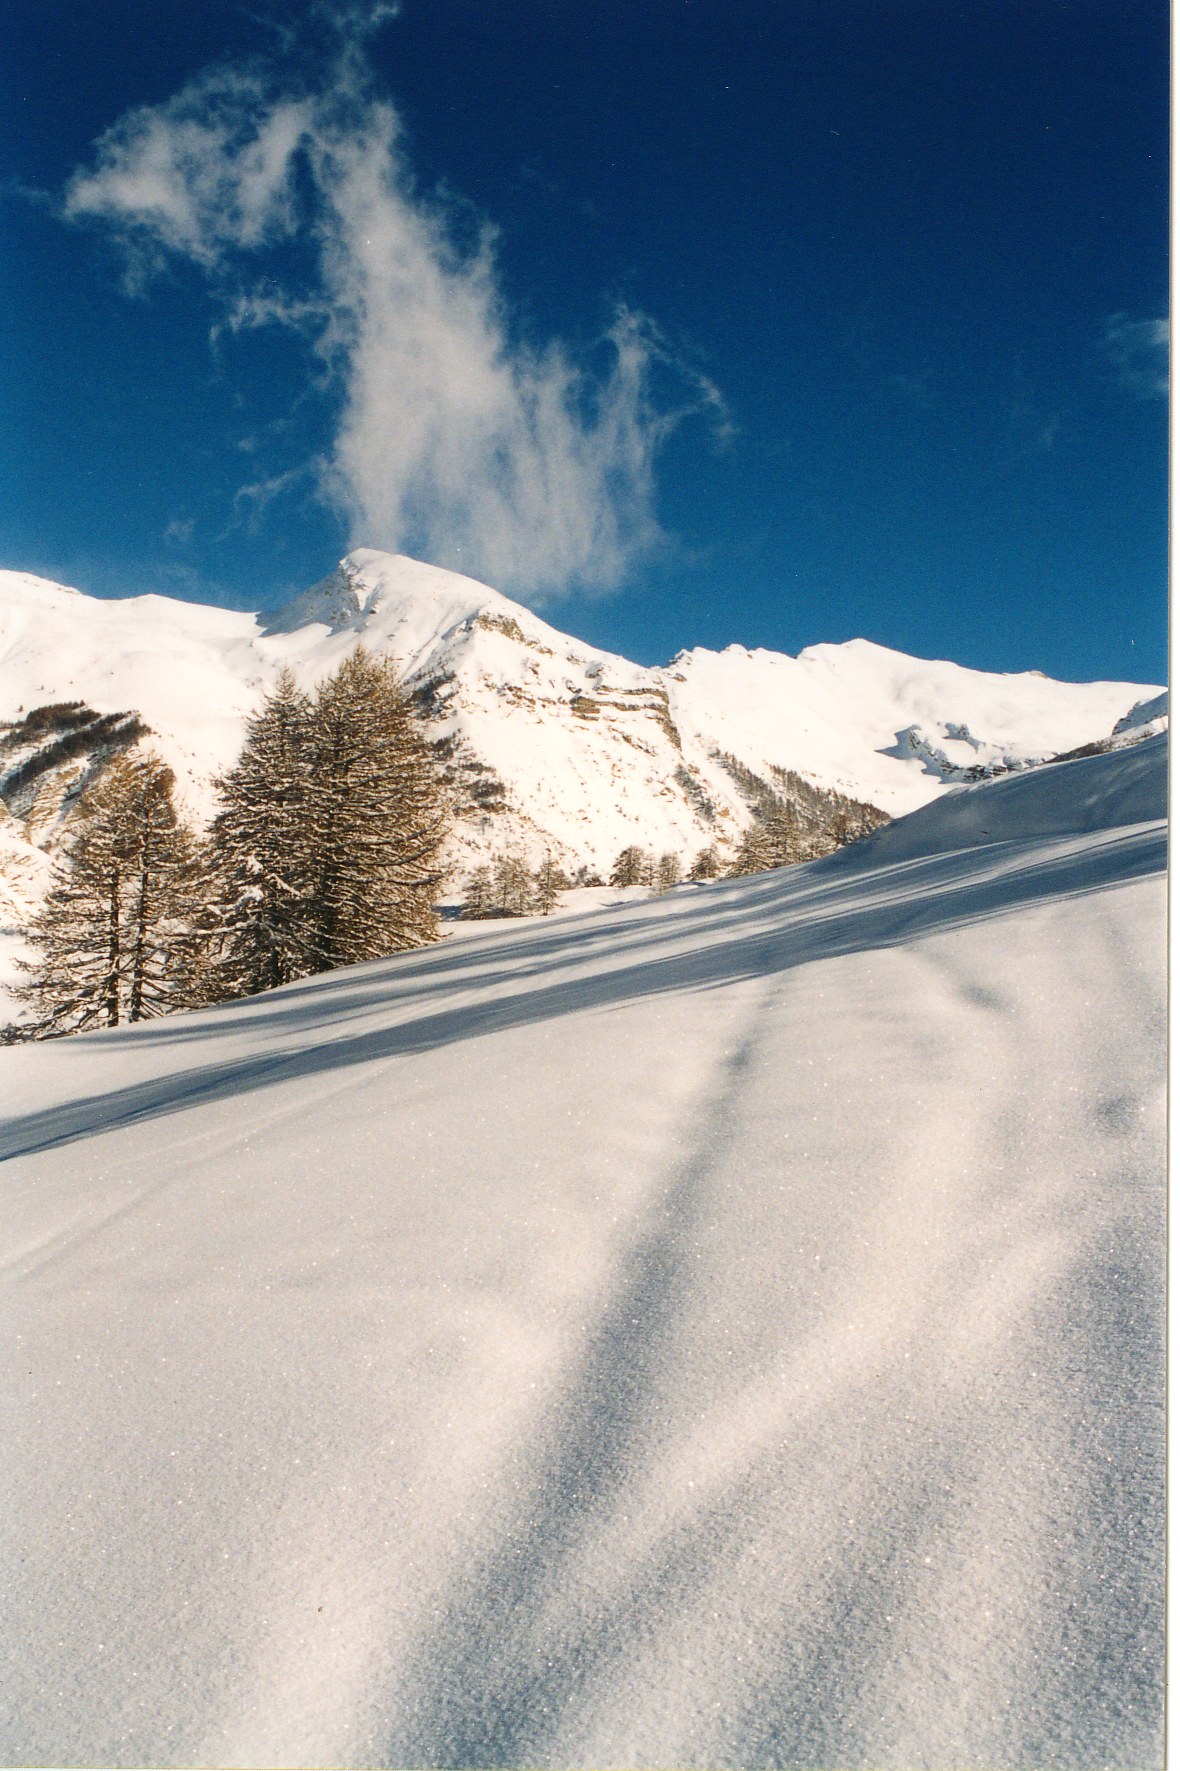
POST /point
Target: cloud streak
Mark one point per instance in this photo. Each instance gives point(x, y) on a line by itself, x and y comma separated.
point(1139, 351)
point(455, 439)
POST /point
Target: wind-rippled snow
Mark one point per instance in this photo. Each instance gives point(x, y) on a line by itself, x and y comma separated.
point(724, 1330)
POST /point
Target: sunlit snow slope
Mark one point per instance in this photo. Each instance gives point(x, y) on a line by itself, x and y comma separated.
point(723, 1331)
point(552, 746)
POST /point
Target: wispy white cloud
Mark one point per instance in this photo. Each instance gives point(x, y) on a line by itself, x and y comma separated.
point(255, 499)
point(207, 172)
point(456, 439)
point(1139, 351)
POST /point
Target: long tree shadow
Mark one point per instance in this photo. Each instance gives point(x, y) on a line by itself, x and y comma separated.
point(755, 928)
point(539, 1633)
point(486, 1692)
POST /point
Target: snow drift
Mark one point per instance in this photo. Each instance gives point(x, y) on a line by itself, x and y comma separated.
point(725, 1330)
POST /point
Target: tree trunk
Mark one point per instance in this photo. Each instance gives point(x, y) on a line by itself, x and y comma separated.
point(135, 1005)
point(111, 987)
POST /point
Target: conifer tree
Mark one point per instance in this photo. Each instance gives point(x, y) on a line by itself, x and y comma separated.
point(707, 864)
point(631, 866)
point(478, 896)
point(512, 886)
point(262, 934)
point(668, 872)
point(376, 819)
point(758, 850)
point(329, 832)
point(778, 837)
point(115, 933)
point(549, 882)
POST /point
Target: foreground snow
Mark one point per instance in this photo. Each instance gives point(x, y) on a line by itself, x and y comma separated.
point(720, 1330)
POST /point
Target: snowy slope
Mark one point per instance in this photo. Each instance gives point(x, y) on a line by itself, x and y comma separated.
point(1091, 793)
point(26, 874)
point(552, 745)
point(724, 1330)
point(895, 730)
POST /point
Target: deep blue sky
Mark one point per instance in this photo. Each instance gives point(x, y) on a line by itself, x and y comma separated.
point(917, 248)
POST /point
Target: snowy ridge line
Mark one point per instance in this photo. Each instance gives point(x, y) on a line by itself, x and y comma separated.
point(727, 934)
point(551, 746)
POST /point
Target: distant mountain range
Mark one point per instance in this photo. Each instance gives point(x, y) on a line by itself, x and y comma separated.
point(550, 745)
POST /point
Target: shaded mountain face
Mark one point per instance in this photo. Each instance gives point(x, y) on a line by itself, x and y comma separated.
point(550, 747)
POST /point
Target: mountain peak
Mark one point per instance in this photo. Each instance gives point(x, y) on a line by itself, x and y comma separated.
point(393, 603)
point(332, 603)
point(551, 745)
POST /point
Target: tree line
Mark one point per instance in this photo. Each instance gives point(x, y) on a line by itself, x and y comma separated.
point(506, 886)
point(324, 851)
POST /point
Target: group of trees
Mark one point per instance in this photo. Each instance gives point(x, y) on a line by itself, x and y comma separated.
point(801, 822)
point(636, 866)
point(778, 836)
point(507, 887)
point(325, 851)
point(327, 843)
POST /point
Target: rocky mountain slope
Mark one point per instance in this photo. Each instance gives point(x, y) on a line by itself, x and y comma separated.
point(550, 745)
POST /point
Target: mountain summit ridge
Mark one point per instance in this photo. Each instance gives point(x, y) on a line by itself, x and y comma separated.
point(551, 745)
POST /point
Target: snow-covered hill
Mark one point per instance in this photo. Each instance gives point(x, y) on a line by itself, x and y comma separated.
point(721, 1330)
point(551, 745)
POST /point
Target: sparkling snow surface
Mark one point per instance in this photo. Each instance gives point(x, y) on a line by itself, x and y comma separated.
point(724, 1330)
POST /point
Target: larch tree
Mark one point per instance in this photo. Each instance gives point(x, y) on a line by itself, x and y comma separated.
point(631, 866)
point(668, 872)
point(548, 882)
point(707, 864)
point(116, 933)
point(262, 932)
point(376, 820)
point(329, 833)
point(478, 896)
point(512, 886)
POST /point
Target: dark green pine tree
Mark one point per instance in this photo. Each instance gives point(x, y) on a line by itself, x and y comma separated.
point(262, 933)
point(116, 933)
point(377, 819)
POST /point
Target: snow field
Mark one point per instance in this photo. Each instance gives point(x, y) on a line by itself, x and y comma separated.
point(720, 1330)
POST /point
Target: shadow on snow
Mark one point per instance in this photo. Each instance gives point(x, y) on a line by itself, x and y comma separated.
point(719, 935)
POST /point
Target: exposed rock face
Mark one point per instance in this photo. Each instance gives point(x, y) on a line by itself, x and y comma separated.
point(49, 758)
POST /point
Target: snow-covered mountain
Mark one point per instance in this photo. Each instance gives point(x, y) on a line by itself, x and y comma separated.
point(726, 1330)
point(551, 745)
